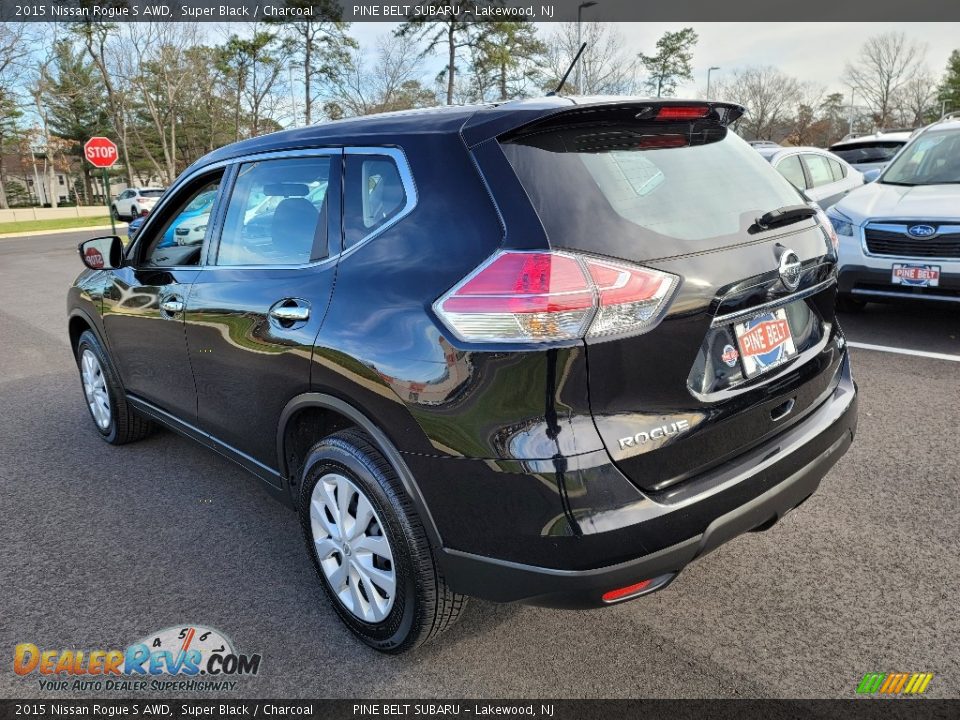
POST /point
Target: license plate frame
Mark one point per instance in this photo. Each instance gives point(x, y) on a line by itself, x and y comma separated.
point(915, 275)
point(765, 342)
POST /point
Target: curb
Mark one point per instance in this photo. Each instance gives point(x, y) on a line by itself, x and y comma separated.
point(5, 236)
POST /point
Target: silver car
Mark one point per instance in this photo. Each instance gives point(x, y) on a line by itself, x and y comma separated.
point(900, 236)
point(820, 175)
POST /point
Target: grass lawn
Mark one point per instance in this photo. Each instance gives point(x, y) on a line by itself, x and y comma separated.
point(59, 224)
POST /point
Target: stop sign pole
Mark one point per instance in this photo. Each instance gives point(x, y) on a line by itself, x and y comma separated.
point(102, 152)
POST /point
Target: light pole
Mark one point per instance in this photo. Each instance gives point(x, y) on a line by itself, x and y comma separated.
point(710, 70)
point(580, 8)
point(853, 92)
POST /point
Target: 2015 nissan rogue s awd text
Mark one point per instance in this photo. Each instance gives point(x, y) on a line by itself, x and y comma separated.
point(548, 351)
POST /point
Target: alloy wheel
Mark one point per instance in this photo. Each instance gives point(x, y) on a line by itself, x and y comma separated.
point(353, 551)
point(95, 389)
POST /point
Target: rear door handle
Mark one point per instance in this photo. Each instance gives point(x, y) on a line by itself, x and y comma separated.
point(172, 306)
point(290, 313)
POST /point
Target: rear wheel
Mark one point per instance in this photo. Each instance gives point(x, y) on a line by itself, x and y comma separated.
point(848, 303)
point(369, 547)
point(115, 420)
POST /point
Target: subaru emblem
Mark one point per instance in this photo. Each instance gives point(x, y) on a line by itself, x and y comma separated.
point(921, 231)
point(790, 269)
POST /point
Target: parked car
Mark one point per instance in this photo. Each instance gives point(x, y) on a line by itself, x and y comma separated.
point(871, 152)
point(900, 236)
point(548, 351)
point(763, 144)
point(821, 175)
point(134, 226)
point(134, 202)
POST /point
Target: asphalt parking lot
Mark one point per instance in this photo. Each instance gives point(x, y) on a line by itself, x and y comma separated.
point(99, 546)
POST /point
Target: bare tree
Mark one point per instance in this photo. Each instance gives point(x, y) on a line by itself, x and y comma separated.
point(916, 100)
point(885, 65)
point(769, 97)
point(157, 67)
point(607, 66)
point(13, 37)
point(392, 82)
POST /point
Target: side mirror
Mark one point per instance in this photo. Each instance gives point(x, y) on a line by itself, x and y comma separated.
point(102, 253)
point(870, 175)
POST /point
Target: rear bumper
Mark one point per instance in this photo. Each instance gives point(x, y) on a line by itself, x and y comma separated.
point(748, 493)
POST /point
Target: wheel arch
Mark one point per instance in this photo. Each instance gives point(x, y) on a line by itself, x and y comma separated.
point(77, 324)
point(312, 415)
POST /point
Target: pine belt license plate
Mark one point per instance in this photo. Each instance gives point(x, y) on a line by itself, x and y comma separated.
point(915, 275)
point(765, 342)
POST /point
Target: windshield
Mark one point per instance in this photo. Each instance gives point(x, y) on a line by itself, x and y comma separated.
point(931, 159)
point(871, 152)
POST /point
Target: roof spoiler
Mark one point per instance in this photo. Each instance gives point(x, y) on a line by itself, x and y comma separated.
point(529, 115)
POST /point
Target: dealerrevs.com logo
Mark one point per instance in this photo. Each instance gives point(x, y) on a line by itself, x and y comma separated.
point(189, 658)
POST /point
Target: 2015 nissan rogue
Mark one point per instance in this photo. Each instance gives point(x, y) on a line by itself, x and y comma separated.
point(548, 351)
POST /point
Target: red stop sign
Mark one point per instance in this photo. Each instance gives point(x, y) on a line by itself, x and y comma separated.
point(100, 151)
point(94, 258)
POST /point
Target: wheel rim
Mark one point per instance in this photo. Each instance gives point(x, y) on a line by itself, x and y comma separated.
point(353, 551)
point(95, 389)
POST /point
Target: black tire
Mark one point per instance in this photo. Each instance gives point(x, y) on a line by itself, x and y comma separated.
point(849, 304)
point(116, 213)
point(423, 605)
point(126, 424)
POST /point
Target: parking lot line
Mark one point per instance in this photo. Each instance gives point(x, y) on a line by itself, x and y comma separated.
point(904, 351)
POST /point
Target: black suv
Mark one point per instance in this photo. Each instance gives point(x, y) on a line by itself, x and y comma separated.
point(548, 351)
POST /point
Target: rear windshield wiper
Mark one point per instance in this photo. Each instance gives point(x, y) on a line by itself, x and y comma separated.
point(785, 215)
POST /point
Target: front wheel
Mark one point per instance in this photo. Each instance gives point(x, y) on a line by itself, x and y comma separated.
point(114, 212)
point(115, 420)
point(369, 547)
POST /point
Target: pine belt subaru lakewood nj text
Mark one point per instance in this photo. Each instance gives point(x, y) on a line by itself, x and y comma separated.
point(549, 351)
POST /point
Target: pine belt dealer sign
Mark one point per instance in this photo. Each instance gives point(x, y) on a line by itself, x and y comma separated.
point(100, 151)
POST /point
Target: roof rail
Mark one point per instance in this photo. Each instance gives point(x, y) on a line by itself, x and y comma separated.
point(951, 115)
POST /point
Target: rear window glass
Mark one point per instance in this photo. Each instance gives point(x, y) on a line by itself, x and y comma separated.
point(672, 200)
point(868, 152)
point(151, 193)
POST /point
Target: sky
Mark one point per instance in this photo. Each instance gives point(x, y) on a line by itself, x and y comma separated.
point(815, 52)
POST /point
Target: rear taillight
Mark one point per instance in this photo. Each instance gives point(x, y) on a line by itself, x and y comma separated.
point(537, 297)
point(828, 230)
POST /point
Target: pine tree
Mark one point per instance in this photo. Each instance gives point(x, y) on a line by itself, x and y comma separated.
point(671, 63)
point(950, 85)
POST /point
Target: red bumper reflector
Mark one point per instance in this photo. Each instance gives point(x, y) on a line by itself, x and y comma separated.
point(682, 112)
point(623, 592)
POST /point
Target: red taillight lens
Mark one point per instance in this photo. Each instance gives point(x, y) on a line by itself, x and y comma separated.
point(551, 296)
point(682, 112)
point(623, 592)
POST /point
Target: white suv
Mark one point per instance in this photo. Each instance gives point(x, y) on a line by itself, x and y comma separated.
point(900, 236)
point(134, 202)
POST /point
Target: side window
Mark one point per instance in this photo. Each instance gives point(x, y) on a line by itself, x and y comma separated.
point(839, 171)
point(278, 213)
point(373, 195)
point(178, 239)
point(792, 170)
point(819, 168)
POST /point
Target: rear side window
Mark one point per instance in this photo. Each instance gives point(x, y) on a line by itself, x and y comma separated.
point(819, 169)
point(645, 190)
point(374, 195)
point(278, 213)
point(867, 152)
point(792, 170)
point(839, 170)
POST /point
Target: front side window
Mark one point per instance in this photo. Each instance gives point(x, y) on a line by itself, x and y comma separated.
point(792, 170)
point(178, 240)
point(373, 195)
point(278, 213)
